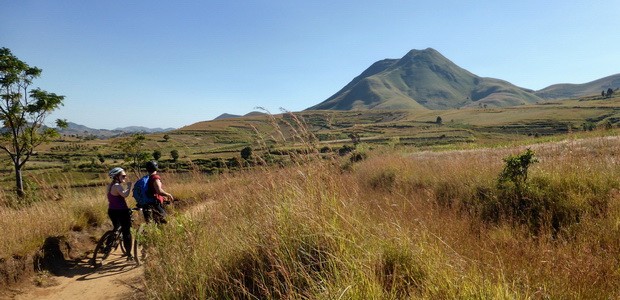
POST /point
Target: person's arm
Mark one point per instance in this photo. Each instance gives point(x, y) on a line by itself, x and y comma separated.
point(160, 190)
point(117, 190)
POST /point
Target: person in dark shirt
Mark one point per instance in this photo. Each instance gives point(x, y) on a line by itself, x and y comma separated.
point(156, 190)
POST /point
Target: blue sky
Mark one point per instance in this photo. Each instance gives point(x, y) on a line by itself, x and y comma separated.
point(174, 63)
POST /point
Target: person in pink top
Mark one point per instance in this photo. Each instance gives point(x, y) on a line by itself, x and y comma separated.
point(118, 211)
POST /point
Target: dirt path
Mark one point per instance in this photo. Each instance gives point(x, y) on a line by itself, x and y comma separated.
point(116, 279)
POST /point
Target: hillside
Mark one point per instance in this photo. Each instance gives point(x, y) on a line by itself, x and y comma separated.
point(567, 90)
point(423, 79)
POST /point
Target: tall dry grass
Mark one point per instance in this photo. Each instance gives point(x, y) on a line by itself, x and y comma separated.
point(26, 227)
point(393, 226)
point(47, 211)
point(397, 226)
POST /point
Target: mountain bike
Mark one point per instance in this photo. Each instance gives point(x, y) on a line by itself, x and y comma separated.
point(140, 252)
point(108, 243)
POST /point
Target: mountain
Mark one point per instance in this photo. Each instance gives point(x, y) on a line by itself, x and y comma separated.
point(423, 79)
point(137, 129)
point(81, 130)
point(567, 90)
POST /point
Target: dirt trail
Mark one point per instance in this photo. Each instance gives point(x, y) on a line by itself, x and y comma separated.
point(116, 279)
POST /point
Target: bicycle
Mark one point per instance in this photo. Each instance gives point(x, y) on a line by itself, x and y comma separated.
point(108, 243)
point(139, 249)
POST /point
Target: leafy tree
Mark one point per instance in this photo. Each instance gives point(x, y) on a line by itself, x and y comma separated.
point(246, 152)
point(610, 92)
point(166, 137)
point(439, 121)
point(23, 112)
point(132, 148)
point(175, 155)
point(156, 155)
point(515, 171)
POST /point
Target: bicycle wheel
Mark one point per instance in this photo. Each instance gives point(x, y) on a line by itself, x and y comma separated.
point(105, 245)
point(139, 251)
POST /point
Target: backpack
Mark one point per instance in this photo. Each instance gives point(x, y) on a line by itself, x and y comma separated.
point(140, 192)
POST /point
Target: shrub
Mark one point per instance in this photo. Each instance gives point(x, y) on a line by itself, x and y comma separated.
point(345, 149)
point(325, 149)
point(246, 153)
point(357, 156)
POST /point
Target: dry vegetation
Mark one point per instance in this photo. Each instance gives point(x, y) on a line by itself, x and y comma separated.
point(394, 223)
point(402, 226)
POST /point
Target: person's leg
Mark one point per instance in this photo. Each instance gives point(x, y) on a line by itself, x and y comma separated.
point(161, 213)
point(125, 221)
point(114, 217)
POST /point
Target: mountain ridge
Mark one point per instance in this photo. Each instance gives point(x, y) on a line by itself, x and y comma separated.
point(82, 130)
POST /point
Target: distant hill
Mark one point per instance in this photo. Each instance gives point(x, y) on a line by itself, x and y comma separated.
point(254, 114)
point(567, 90)
point(135, 129)
point(81, 130)
point(425, 79)
point(230, 116)
point(226, 116)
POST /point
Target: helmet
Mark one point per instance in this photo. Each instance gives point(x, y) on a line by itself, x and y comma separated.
point(115, 172)
point(151, 166)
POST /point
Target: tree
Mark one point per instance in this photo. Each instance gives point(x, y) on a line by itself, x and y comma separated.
point(23, 112)
point(246, 153)
point(439, 121)
point(175, 155)
point(156, 155)
point(132, 148)
point(515, 170)
point(166, 137)
point(610, 92)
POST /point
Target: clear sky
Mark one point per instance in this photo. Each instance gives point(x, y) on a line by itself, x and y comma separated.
point(174, 63)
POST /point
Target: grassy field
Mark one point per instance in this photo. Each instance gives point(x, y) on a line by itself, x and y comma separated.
point(402, 225)
point(416, 211)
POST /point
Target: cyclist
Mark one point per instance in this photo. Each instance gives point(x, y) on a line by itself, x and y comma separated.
point(157, 191)
point(118, 211)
